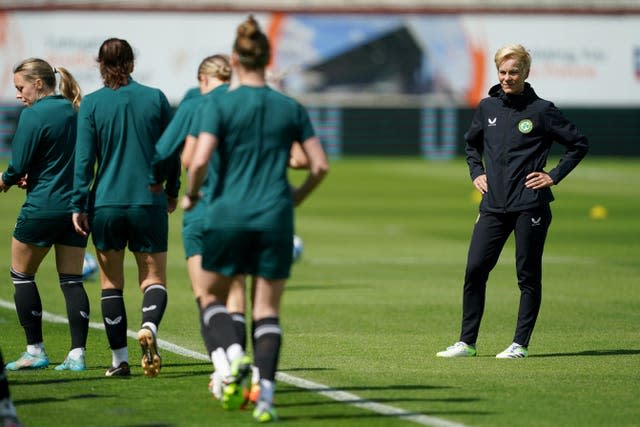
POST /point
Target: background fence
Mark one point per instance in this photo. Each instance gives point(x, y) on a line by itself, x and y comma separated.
point(433, 133)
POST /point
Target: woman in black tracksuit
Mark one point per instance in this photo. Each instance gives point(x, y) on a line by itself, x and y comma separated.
point(507, 146)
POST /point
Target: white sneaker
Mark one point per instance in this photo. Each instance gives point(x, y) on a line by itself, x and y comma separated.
point(264, 413)
point(215, 385)
point(459, 349)
point(8, 417)
point(514, 351)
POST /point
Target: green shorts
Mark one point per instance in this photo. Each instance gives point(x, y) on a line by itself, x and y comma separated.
point(140, 228)
point(260, 253)
point(46, 232)
point(192, 234)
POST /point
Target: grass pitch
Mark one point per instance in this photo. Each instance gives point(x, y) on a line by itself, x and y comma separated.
point(376, 294)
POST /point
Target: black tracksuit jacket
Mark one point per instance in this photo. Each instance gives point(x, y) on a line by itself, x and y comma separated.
point(510, 136)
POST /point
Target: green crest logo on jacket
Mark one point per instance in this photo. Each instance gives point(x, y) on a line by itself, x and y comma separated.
point(525, 126)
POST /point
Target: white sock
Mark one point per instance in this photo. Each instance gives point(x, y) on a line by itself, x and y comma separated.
point(234, 352)
point(220, 362)
point(76, 353)
point(267, 390)
point(119, 355)
point(255, 375)
point(151, 326)
point(216, 385)
point(35, 349)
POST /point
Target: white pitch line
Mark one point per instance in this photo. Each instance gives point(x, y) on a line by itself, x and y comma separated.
point(331, 393)
point(355, 400)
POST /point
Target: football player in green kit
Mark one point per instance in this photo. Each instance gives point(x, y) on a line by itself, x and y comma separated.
point(214, 74)
point(118, 126)
point(249, 221)
point(42, 154)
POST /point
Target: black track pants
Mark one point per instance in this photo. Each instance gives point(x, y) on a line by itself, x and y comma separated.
point(489, 236)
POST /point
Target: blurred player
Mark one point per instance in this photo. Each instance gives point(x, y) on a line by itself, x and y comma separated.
point(249, 222)
point(42, 155)
point(8, 416)
point(118, 126)
point(507, 147)
point(214, 74)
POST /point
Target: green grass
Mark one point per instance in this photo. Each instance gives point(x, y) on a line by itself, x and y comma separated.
point(376, 295)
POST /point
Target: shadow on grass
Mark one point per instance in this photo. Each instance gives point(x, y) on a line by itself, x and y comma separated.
point(16, 381)
point(620, 352)
point(191, 364)
point(365, 402)
point(22, 402)
point(97, 374)
point(193, 370)
point(382, 400)
point(174, 374)
point(149, 425)
point(399, 391)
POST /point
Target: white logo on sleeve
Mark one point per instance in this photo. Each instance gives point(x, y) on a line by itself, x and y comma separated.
point(492, 122)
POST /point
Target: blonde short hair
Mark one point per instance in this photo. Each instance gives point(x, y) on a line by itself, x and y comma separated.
point(514, 51)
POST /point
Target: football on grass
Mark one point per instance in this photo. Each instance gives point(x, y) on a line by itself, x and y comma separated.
point(297, 248)
point(90, 267)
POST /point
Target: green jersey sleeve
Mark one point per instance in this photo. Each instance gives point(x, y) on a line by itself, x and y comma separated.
point(23, 146)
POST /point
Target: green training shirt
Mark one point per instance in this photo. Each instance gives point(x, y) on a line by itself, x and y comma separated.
point(171, 142)
point(43, 148)
point(182, 124)
point(255, 127)
point(118, 129)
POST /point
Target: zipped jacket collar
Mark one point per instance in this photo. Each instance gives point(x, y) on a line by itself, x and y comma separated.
point(525, 98)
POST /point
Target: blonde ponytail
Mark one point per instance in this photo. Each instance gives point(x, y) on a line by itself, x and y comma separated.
point(69, 87)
